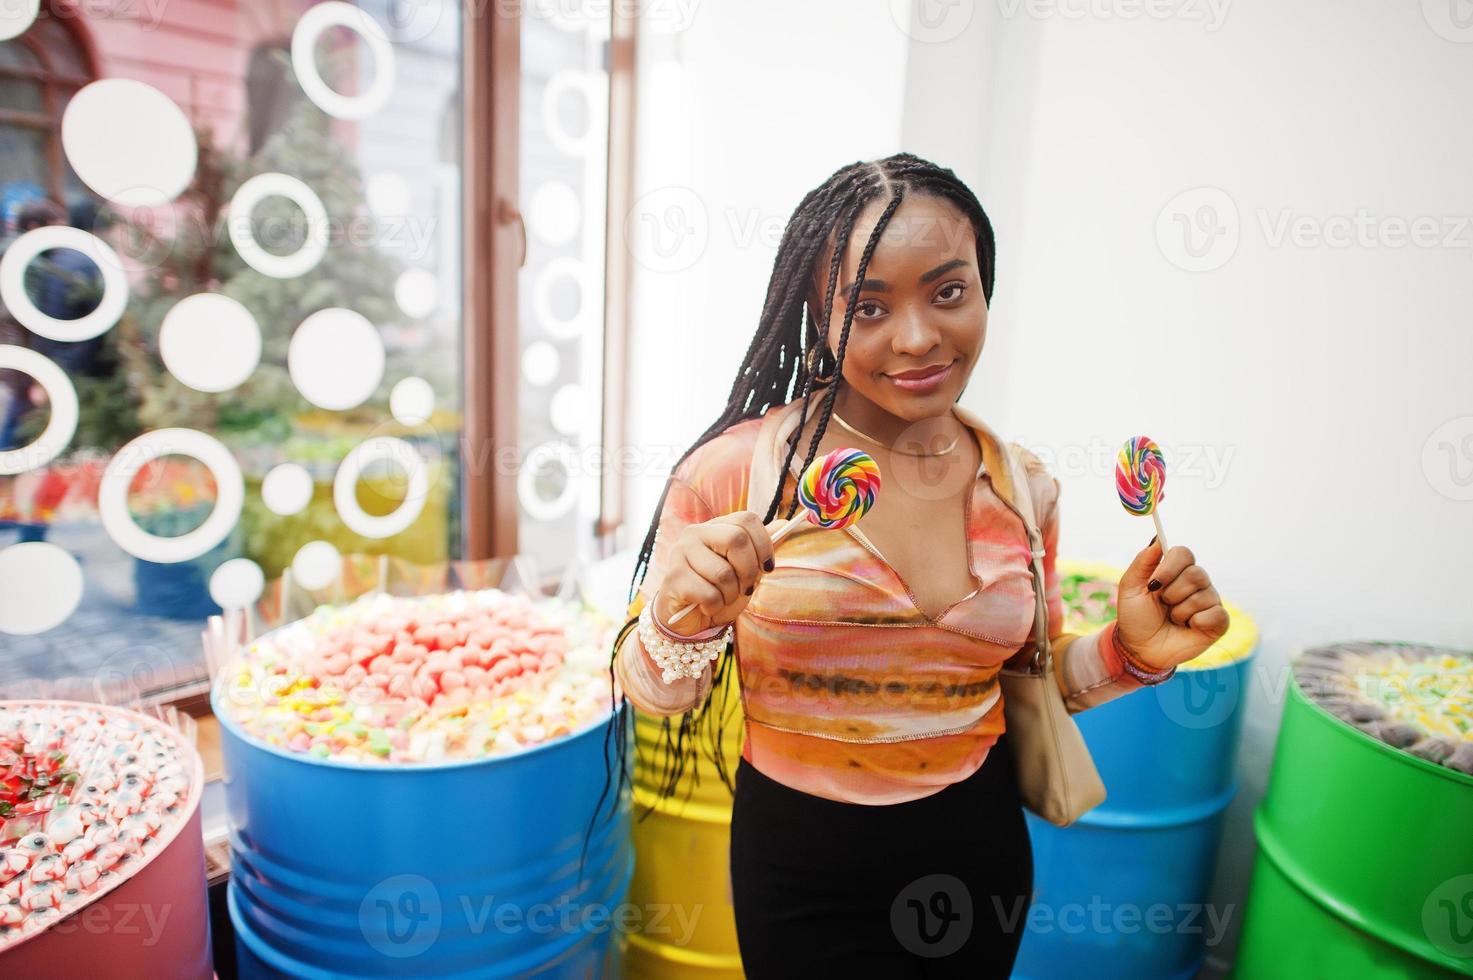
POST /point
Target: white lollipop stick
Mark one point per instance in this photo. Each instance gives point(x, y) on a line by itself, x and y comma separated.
point(782, 532)
point(1160, 534)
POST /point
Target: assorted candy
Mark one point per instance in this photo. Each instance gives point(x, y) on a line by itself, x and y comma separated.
point(87, 794)
point(1090, 593)
point(1089, 599)
point(456, 676)
point(1412, 697)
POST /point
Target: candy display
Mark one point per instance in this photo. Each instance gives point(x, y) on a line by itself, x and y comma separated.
point(1089, 598)
point(835, 491)
point(1140, 479)
point(1412, 697)
point(88, 796)
point(455, 676)
point(393, 752)
point(1090, 590)
point(1363, 846)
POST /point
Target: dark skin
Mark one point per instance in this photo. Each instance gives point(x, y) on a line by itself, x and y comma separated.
point(921, 306)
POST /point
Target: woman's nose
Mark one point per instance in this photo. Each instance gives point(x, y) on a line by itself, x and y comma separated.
point(913, 333)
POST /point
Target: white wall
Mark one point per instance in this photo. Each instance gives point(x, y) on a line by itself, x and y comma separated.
point(743, 108)
point(1298, 383)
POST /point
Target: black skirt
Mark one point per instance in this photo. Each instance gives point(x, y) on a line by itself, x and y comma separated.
point(935, 887)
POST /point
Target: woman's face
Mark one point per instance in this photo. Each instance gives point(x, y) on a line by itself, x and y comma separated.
point(920, 320)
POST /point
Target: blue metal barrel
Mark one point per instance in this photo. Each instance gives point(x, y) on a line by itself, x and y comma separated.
point(1123, 892)
point(466, 869)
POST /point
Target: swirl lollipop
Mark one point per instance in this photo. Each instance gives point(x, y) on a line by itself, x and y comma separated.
point(1140, 479)
point(835, 492)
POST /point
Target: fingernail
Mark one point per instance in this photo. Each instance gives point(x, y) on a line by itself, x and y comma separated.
point(750, 588)
point(1153, 585)
point(767, 565)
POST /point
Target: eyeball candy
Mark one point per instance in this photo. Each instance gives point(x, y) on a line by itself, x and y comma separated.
point(67, 773)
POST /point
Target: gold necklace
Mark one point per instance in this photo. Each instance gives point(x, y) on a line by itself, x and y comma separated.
point(838, 418)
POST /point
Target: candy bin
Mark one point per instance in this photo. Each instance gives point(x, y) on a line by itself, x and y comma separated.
point(102, 867)
point(409, 783)
point(1365, 834)
point(1167, 756)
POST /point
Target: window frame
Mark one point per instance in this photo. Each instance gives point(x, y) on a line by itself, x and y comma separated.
point(51, 80)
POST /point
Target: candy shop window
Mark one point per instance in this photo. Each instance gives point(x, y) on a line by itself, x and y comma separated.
point(247, 334)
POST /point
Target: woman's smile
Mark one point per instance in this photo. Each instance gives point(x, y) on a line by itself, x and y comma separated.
point(923, 381)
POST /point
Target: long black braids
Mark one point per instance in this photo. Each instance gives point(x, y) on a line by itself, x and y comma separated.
point(775, 370)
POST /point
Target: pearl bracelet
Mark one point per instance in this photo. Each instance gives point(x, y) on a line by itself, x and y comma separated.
point(677, 659)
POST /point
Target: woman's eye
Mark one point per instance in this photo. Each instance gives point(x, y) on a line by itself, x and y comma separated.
point(956, 290)
point(868, 309)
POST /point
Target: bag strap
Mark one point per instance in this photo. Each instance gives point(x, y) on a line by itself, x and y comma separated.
point(1023, 501)
point(768, 453)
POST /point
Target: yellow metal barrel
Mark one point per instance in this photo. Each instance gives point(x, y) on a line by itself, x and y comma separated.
point(682, 871)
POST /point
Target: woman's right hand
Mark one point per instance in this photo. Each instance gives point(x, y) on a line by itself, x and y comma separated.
point(716, 565)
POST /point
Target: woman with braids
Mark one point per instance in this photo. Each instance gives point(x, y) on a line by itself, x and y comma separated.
point(876, 824)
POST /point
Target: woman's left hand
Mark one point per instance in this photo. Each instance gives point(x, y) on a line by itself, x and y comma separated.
point(1169, 611)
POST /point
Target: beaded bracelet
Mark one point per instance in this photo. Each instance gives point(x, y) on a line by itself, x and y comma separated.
point(676, 659)
point(675, 637)
point(1142, 672)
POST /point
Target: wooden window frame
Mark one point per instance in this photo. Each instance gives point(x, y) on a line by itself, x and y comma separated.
point(48, 120)
point(495, 237)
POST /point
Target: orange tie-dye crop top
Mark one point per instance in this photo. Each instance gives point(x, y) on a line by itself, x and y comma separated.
point(850, 691)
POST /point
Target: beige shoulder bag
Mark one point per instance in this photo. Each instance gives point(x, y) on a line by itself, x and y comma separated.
point(1056, 776)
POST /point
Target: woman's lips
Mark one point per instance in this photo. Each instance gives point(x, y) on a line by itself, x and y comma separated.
point(924, 384)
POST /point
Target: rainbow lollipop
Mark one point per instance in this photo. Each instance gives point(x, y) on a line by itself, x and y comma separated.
point(835, 492)
point(1140, 479)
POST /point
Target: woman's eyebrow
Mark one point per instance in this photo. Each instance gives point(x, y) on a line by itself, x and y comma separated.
point(941, 269)
point(881, 286)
